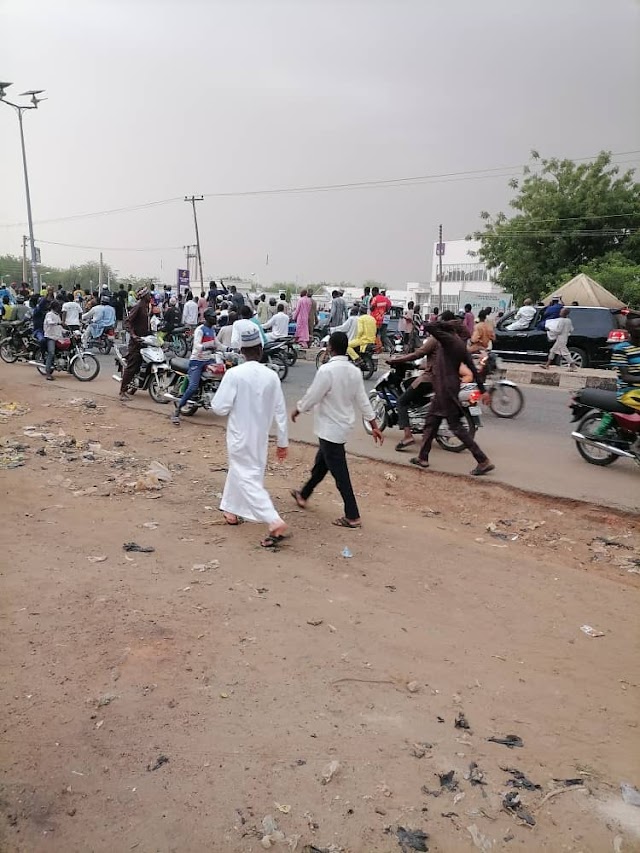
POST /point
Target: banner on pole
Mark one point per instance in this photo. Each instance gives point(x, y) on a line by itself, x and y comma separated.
point(183, 278)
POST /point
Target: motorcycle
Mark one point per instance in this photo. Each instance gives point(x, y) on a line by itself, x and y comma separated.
point(507, 400)
point(209, 381)
point(70, 357)
point(390, 387)
point(178, 341)
point(19, 344)
point(607, 429)
point(152, 375)
point(274, 356)
point(367, 362)
point(103, 343)
point(290, 351)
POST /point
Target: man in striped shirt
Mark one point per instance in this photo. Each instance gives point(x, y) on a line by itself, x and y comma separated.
point(626, 357)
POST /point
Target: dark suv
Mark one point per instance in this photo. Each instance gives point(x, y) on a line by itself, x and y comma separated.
point(587, 344)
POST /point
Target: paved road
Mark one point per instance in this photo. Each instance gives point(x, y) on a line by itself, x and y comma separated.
point(534, 451)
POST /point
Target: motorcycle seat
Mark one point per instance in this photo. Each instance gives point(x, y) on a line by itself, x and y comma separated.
point(273, 345)
point(180, 364)
point(604, 400)
point(178, 330)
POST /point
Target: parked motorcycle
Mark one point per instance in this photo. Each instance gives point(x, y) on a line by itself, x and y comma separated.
point(152, 376)
point(210, 380)
point(390, 387)
point(70, 357)
point(178, 341)
point(19, 344)
point(607, 429)
point(367, 361)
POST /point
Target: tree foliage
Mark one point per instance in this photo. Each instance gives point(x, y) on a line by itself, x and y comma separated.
point(85, 276)
point(568, 216)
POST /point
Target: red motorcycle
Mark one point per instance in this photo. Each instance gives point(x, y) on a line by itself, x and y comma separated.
point(607, 429)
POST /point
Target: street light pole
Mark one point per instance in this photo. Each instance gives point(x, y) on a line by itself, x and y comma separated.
point(20, 108)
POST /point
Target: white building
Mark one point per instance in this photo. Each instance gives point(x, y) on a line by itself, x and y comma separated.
point(465, 279)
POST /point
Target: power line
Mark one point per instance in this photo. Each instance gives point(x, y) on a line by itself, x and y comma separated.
point(112, 248)
point(445, 177)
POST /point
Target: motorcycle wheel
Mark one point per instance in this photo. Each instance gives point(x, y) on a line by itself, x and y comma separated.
point(278, 364)
point(8, 351)
point(189, 409)
point(380, 412)
point(85, 367)
point(158, 386)
point(507, 401)
point(291, 356)
point(450, 442)
point(40, 363)
point(322, 358)
point(589, 452)
point(104, 345)
point(179, 346)
point(368, 367)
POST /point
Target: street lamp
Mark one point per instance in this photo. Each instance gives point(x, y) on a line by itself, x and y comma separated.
point(20, 108)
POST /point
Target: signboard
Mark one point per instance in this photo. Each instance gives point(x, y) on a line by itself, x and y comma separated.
point(439, 249)
point(183, 278)
point(478, 301)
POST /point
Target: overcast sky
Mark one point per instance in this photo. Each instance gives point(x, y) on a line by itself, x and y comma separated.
point(155, 100)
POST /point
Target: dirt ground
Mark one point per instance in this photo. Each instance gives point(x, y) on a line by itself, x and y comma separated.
point(250, 671)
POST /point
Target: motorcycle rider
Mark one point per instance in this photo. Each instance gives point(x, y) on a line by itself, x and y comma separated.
point(100, 318)
point(23, 311)
point(626, 357)
point(137, 324)
point(366, 332)
point(421, 386)
point(204, 344)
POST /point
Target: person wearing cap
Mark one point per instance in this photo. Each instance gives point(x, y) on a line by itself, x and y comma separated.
point(251, 395)
point(137, 324)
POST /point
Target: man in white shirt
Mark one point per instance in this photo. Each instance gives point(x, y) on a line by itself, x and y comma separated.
point(279, 325)
point(335, 394)
point(350, 326)
point(523, 317)
point(246, 323)
point(190, 313)
point(71, 315)
point(252, 397)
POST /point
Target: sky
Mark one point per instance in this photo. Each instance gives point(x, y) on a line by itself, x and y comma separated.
point(150, 100)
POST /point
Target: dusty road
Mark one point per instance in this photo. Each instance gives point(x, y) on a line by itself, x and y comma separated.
point(252, 671)
point(533, 451)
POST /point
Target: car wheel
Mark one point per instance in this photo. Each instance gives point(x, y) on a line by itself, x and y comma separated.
point(579, 358)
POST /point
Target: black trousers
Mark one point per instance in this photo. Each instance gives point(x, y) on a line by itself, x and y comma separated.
point(411, 397)
point(431, 426)
point(332, 458)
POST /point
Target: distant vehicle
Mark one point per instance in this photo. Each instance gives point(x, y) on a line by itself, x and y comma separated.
point(393, 317)
point(587, 345)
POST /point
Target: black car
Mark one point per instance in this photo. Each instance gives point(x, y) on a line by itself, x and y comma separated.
point(587, 344)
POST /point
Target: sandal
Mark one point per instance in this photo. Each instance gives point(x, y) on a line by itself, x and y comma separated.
point(479, 470)
point(344, 522)
point(297, 496)
point(419, 463)
point(401, 446)
point(236, 523)
point(273, 540)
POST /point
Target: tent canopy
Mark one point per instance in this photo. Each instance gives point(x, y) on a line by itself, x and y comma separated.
point(585, 291)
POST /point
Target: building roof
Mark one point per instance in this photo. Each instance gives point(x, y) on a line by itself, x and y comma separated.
point(585, 291)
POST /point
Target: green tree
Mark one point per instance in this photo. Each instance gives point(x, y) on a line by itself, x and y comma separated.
point(568, 215)
point(619, 275)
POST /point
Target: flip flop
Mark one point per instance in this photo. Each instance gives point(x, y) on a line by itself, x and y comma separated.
point(344, 522)
point(235, 523)
point(297, 496)
point(273, 540)
point(401, 446)
point(419, 463)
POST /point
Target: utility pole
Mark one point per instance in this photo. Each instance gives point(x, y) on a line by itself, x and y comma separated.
point(191, 256)
point(440, 254)
point(100, 274)
point(24, 257)
point(193, 199)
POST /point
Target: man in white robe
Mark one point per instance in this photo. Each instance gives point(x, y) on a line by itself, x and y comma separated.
point(250, 394)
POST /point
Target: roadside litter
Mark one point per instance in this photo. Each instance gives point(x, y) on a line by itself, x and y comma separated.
point(412, 839)
point(508, 740)
point(591, 632)
point(142, 549)
point(160, 760)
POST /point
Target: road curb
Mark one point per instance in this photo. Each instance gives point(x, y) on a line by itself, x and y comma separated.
point(560, 379)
